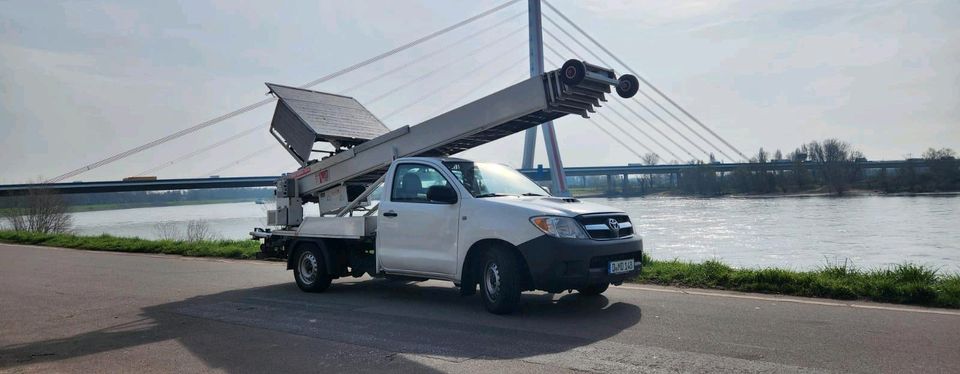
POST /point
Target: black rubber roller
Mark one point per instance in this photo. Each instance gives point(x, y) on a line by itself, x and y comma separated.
point(627, 86)
point(573, 72)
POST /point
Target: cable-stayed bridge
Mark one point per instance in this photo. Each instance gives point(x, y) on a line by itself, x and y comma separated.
point(617, 176)
point(472, 52)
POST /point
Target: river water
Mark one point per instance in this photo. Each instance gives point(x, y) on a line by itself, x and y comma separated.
point(788, 232)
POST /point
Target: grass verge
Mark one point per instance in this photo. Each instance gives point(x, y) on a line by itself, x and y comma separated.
point(902, 284)
point(215, 248)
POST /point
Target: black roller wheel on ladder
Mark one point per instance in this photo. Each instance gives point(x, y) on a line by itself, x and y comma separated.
point(627, 86)
point(572, 72)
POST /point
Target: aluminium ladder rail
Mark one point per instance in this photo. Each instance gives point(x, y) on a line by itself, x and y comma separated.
point(516, 108)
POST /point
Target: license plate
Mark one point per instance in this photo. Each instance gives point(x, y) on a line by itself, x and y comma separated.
point(618, 267)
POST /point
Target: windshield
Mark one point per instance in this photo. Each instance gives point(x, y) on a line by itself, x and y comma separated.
point(484, 179)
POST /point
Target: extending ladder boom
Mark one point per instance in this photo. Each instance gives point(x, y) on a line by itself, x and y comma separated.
point(576, 88)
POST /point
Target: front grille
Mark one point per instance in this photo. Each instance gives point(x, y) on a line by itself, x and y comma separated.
point(602, 261)
point(598, 226)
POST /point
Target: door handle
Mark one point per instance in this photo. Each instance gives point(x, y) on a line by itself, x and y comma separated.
point(390, 214)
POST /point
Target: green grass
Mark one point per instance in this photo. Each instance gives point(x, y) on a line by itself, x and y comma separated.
point(215, 248)
point(902, 284)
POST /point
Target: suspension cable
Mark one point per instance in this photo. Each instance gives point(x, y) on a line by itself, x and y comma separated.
point(655, 141)
point(460, 78)
point(647, 83)
point(434, 53)
point(375, 78)
point(444, 66)
point(605, 131)
point(236, 162)
point(209, 147)
point(261, 103)
point(575, 40)
point(450, 105)
point(651, 112)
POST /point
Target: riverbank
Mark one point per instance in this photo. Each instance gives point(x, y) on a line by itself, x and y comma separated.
point(118, 206)
point(99, 207)
point(820, 192)
point(903, 284)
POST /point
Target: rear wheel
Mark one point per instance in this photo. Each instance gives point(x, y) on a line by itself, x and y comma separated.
point(500, 281)
point(594, 289)
point(311, 271)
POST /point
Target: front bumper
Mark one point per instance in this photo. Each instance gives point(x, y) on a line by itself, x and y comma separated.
point(563, 264)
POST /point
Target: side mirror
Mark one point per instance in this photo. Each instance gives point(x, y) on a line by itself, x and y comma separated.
point(442, 194)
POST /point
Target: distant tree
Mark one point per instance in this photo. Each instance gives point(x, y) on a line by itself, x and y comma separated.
point(939, 154)
point(944, 169)
point(779, 180)
point(700, 180)
point(836, 161)
point(800, 176)
point(713, 159)
point(650, 158)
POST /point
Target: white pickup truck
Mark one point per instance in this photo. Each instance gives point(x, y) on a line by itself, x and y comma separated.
point(393, 204)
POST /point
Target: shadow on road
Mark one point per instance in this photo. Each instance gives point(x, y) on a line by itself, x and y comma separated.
point(285, 325)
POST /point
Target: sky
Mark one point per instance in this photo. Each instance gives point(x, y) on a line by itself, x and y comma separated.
point(81, 81)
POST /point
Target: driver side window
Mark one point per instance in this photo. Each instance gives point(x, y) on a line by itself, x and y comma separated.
point(411, 182)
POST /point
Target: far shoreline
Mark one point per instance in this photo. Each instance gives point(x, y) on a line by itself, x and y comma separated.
point(851, 193)
point(105, 207)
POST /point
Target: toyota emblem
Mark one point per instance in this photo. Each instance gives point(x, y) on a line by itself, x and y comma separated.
point(614, 226)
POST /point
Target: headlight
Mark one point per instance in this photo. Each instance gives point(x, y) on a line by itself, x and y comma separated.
point(559, 227)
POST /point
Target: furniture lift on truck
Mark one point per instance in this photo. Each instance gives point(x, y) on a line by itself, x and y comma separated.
point(395, 204)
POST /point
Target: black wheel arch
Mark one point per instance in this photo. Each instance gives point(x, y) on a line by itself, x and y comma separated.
point(319, 244)
point(470, 273)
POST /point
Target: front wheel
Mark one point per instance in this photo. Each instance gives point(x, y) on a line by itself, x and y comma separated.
point(311, 271)
point(500, 283)
point(594, 289)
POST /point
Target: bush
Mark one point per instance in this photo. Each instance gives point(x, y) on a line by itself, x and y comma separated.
point(38, 211)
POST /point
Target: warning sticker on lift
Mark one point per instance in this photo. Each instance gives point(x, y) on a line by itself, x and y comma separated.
point(322, 176)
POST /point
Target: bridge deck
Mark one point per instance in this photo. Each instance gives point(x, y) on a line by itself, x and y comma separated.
point(535, 174)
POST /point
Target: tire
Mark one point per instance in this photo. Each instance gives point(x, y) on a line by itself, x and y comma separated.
point(627, 86)
point(593, 289)
point(572, 72)
point(310, 270)
point(500, 275)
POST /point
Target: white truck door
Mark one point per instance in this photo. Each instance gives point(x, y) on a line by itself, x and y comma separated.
point(414, 233)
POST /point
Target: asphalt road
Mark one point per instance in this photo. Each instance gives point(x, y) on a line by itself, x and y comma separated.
point(65, 310)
